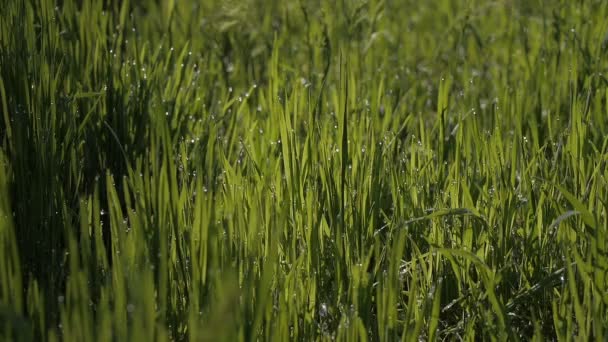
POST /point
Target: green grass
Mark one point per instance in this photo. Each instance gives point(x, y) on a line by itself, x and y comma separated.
point(303, 170)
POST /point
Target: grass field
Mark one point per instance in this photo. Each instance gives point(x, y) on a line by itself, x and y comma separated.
point(303, 170)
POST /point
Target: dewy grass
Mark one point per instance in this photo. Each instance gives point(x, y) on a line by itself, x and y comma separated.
point(303, 170)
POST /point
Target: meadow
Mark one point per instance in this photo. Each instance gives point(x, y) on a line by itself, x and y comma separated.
point(353, 170)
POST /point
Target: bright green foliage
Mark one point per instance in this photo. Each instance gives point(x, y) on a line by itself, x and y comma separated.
point(303, 170)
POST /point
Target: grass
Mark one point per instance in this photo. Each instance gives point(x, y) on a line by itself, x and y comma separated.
point(303, 170)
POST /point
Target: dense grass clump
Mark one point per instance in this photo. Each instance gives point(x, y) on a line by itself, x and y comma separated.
point(303, 170)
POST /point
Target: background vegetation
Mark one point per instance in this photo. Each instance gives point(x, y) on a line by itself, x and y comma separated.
point(303, 170)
